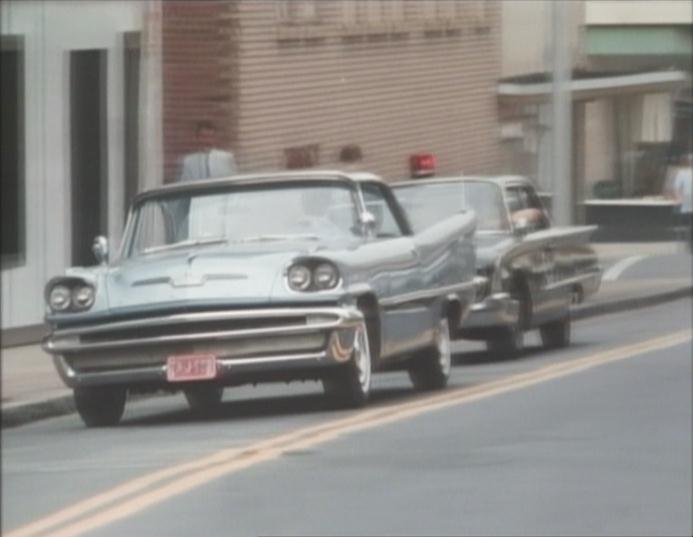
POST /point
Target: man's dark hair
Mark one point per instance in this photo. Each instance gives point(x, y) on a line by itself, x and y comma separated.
point(205, 125)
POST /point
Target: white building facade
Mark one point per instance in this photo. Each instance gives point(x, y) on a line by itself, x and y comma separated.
point(74, 87)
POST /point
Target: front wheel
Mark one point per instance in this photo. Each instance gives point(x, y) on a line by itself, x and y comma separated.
point(350, 384)
point(556, 334)
point(100, 407)
point(431, 370)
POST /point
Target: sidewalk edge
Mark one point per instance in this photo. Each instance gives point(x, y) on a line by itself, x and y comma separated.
point(584, 311)
point(28, 412)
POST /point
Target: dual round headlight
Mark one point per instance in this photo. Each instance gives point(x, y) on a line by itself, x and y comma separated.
point(320, 277)
point(78, 297)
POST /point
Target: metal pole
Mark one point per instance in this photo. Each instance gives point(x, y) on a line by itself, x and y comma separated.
point(561, 107)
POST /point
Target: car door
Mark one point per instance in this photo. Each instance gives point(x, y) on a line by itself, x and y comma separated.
point(405, 321)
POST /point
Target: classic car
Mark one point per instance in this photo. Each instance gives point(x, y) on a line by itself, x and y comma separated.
point(274, 277)
point(530, 272)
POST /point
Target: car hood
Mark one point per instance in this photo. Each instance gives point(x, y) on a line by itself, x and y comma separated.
point(243, 274)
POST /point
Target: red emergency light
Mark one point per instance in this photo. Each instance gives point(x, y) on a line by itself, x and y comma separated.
point(422, 165)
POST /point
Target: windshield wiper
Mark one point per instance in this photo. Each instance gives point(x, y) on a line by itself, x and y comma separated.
point(186, 244)
point(267, 238)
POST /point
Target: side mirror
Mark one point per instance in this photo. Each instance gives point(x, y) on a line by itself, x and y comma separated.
point(100, 249)
point(368, 223)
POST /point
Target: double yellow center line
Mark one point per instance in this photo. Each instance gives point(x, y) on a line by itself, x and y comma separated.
point(141, 493)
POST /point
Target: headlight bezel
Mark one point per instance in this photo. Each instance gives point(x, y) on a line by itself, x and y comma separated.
point(67, 296)
point(91, 297)
point(80, 295)
point(325, 268)
point(299, 268)
point(314, 268)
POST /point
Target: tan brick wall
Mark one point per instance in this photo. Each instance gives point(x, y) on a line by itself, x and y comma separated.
point(394, 88)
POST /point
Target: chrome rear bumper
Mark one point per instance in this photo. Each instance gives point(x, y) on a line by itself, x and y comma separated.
point(496, 310)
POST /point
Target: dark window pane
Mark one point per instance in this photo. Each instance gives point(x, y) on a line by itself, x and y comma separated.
point(12, 150)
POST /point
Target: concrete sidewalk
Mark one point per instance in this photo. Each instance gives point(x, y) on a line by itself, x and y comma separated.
point(31, 388)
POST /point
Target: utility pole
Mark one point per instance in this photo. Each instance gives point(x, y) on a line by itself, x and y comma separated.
point(561, 113)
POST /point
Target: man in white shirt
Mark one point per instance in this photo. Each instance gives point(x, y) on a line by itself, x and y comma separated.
point(208, 162)
point(683, 194)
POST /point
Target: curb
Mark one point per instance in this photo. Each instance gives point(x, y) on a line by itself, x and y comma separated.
point(624, 304)
point(22, 413)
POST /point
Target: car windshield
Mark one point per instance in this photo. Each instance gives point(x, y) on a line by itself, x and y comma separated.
point(245, 214)
point(429, 203)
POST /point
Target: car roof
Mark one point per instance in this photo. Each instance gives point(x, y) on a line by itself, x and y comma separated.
point(500, 180)
point(259, 178)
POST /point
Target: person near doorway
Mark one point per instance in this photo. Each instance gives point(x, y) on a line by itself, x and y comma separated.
point(682, 191)
point(208, 161)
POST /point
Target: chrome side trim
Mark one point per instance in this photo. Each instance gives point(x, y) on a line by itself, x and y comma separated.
point(122, 376)
point(588, 275)
point(157, 374)
point(58, 342)
point(491, 301)
point(426, 294)
point(233, 363)
point(184, 318)
point(498, 309)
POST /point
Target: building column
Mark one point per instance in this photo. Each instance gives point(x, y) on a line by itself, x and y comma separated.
point(578, 174)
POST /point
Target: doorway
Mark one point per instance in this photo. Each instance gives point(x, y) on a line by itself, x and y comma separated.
point(89, 151)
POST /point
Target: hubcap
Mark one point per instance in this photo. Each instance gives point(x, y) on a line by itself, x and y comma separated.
point(443, 346)
point(362, 359)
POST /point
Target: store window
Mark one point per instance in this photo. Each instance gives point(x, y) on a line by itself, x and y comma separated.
point(12, 151)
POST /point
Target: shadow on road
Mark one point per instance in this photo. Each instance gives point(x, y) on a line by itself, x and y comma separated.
point(528, 353)
point(315, 403)
point(265, 407)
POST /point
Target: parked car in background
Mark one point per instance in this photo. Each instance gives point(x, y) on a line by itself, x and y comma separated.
point(302, 275)
point(532, 270)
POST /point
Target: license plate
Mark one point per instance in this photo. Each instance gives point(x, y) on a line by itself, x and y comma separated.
point(186, 367)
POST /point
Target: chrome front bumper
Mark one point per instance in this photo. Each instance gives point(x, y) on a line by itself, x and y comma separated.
point(495, 310)
point(246, 342)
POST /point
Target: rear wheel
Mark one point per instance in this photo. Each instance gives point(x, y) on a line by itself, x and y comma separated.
point(100, 407)
point(431, 369)
point(556, 334)
point(204, 399)
point(509, 341)
point(350, 384)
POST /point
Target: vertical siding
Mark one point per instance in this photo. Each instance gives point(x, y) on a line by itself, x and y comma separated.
point(392, 95)
point(51, 29)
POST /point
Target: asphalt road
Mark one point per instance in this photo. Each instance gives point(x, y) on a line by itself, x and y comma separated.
point(594, 439)
point(643, 267)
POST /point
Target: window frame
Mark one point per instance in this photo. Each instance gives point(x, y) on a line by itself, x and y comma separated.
point(18, 257)
point(395, 209)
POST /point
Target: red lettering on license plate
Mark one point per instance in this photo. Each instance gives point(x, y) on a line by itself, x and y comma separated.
point(187, 367)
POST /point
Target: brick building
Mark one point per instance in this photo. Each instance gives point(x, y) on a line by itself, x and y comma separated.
point(291, 83)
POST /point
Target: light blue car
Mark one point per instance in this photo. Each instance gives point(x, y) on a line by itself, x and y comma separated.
point(274, 277)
